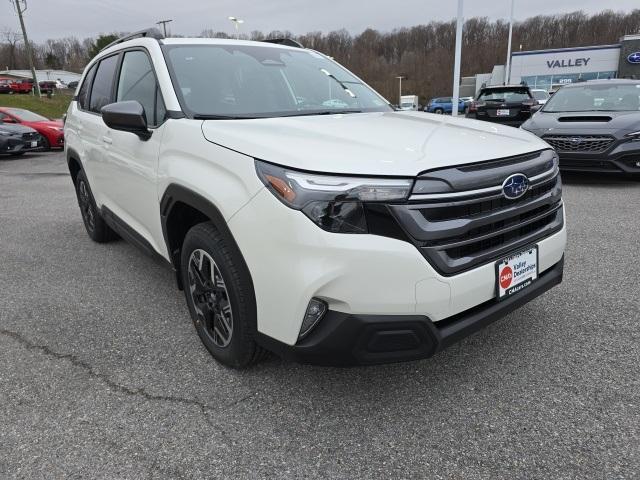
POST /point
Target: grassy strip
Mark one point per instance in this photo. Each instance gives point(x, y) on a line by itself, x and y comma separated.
point(49, 107)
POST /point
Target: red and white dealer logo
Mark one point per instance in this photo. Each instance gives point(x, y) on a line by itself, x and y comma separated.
point(506, 275)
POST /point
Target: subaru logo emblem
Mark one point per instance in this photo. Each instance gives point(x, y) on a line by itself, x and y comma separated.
point(515, 186)
point(576, 139)
point(634, 57)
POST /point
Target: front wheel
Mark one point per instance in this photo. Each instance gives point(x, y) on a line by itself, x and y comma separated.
point(220, 296)
point(438, 111)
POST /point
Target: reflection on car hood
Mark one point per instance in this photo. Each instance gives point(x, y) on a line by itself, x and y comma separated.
point(390, 143)
point(15, 128)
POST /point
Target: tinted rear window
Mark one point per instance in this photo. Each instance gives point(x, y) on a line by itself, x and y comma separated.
point(505, 95)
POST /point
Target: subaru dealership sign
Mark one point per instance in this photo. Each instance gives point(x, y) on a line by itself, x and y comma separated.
point(545, 68)
point(634, 57)
point(568, 63)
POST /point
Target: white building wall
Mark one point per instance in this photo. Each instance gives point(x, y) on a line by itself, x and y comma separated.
point(570, 63)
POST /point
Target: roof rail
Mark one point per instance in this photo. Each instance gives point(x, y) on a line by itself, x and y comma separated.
point(289, 42)
point(149, 32)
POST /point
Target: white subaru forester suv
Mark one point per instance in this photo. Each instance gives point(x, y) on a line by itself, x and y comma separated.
point(301, 213)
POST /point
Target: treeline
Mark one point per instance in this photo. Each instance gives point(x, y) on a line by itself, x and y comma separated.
point(423, 53)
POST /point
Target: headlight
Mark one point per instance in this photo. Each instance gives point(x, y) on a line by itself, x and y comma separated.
point(334, 203)
point(633, 135)
point(5, 133)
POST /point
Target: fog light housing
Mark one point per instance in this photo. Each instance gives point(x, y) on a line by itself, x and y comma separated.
point(315, 311)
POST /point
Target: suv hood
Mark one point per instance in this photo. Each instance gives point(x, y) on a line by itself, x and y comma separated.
point(597, 122)
point(389, 143)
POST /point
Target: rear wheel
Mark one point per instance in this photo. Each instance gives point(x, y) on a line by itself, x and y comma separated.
point(95, 225)
point(220, 296)
point(439, 111)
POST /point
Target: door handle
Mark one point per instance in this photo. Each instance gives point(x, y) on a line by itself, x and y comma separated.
point(107, 140)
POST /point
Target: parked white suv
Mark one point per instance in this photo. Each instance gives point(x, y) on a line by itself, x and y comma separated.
point(301, 213)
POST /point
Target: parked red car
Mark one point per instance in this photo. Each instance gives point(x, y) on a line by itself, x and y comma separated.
point(22, 86)
point(51, 130)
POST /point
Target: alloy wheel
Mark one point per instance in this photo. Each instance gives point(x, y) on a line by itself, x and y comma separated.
point(210, 298)
point(86, 205)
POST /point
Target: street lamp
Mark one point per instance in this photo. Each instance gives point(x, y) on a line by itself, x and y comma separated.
point(164, 25)
point(507, 70)
point(456, 61)
point(400, 78)
point(237, 23)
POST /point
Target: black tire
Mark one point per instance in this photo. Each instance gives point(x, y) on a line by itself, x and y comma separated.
point(438, 111)
point(96, 227)
point(46, 146)
point(223, 312)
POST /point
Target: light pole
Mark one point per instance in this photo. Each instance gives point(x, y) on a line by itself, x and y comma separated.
point(237, 22)
point(164, 25)
point(507, 70)
point(21, 6)
point(456, 62)
point(400, 78)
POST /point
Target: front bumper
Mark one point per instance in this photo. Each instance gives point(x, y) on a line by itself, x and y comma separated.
point(291, 260)
point(343, 339)
point(13, 145)
point(621, 156)
point(615, 163)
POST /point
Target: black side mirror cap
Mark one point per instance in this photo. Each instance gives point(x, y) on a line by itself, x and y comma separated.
point(127, 116)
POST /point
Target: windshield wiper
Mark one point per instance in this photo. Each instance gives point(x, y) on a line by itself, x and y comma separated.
point(321, 112)
point(221, 117)
point(344, 87)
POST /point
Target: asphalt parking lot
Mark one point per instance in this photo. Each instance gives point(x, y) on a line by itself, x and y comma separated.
point(103, 376)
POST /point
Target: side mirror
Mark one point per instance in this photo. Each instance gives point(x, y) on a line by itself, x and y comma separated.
point(127, 116)
point(9, 120)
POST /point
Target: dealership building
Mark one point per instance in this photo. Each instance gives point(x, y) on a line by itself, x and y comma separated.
point(550, 69)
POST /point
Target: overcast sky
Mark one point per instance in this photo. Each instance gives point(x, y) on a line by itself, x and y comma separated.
point(87, 18)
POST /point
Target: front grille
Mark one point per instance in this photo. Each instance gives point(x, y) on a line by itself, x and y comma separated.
point(580, 164)
point(579, 143)
point(464, 229)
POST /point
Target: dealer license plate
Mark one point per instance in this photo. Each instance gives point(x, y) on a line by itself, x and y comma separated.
point(516, 272)
point(34, 144)
point(503, 112)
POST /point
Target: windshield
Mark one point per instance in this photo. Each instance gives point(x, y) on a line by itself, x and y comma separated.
point(505, 95)
point(540, 94)
point(26, 115)
point(596, 98)
point(248, 81)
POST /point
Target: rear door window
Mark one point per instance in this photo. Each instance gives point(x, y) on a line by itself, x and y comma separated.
point(101, 92)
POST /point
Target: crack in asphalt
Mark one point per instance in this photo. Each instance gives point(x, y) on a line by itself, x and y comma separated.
point(116, 387)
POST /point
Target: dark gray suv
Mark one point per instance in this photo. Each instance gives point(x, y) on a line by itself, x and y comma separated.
point(594, 126)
